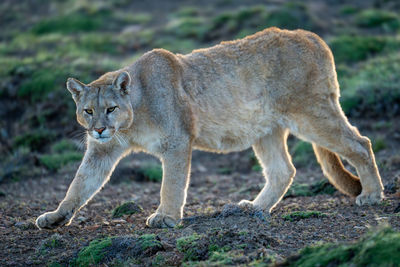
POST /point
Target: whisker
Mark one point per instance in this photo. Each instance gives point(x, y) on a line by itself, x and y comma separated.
point(118, 139)
point(122, 139)
point(76, 134)
point(83, 142)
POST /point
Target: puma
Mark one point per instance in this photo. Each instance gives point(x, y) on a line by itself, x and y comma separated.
point(246, 93)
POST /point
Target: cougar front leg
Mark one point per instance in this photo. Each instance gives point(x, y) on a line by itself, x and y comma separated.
point(175, 181)
point(96, 167)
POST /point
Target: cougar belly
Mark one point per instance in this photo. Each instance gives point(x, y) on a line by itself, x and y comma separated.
point(233, 134)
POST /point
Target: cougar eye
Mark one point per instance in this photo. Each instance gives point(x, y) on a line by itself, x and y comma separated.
point(109, 110)
point(89, 111)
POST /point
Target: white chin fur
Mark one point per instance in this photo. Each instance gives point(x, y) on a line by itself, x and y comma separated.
point(101, 140)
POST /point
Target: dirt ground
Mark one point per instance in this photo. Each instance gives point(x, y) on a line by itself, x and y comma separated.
point(22, 242)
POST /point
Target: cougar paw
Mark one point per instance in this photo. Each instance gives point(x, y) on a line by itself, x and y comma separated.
point(52, 220)
point(160, 220)
point(369, 198)
point(246, 205)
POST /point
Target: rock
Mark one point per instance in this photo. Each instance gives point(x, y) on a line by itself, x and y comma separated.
point(81, 219)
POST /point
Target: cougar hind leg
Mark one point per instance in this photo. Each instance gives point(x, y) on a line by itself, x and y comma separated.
point(326, 126)
point(278, 169)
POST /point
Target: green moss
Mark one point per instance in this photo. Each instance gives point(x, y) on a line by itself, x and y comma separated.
point(149, 241)
point(299, 215)
point(101, 43)
point(62, 153)
point(152, 172)
point(293, 15)
point(41, 83)
point(248, 13)
point(55, 241)
point(141, 39)
point(256, 167)
point(322, 187)
point(348, 10)
point(319, 187)
point(79, 21)
point(36, 140)
point(94, 253)
point(188, 27)
point(236, 23)
point(187, 11)
point(373, 88)
point(52, 243)
point(378, 144)
point(127, 208)
point(379, 248)
point(187, 245)
point(386, 20)
point(224, 170)
point(158, 260)
point(54, 162)
point(298, 189)
point(8, 64)
point(302, 153)
point(136, 18)
point(219, 258)
point(348, 48)
point(63, 146)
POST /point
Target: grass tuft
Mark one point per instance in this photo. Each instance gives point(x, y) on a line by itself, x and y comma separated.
point(302, 153)
point(40, 83)
point(372, 18)
point(378, 248)
point(378, 144)
point(55, 162)
point(151, 172)
point(187, 245)
point(36, 140)
point(353, 48)
point(319, 187)
point(149, 241)
point(293, 15)
point(79, 21)
point(372, 90)
point(299, 215)
point(94, 253)
point(127, 208)
point(62, 153)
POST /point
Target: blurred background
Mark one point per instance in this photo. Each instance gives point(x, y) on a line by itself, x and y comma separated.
point(42, 43)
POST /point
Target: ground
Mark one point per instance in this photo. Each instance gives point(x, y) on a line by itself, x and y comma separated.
point(41, 144)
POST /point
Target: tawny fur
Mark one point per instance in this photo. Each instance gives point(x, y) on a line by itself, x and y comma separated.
point(238, 94)
point(334, 170)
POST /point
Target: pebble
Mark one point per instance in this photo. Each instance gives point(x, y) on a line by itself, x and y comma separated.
point(118, 221)
point(81, 219)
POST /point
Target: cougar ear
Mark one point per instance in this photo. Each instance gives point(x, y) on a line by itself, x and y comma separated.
point(75, 87)
point(122, 82)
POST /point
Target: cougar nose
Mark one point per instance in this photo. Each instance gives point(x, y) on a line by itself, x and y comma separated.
point(100, 130)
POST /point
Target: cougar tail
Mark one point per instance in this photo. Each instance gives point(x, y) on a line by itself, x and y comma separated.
point(337, 175)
